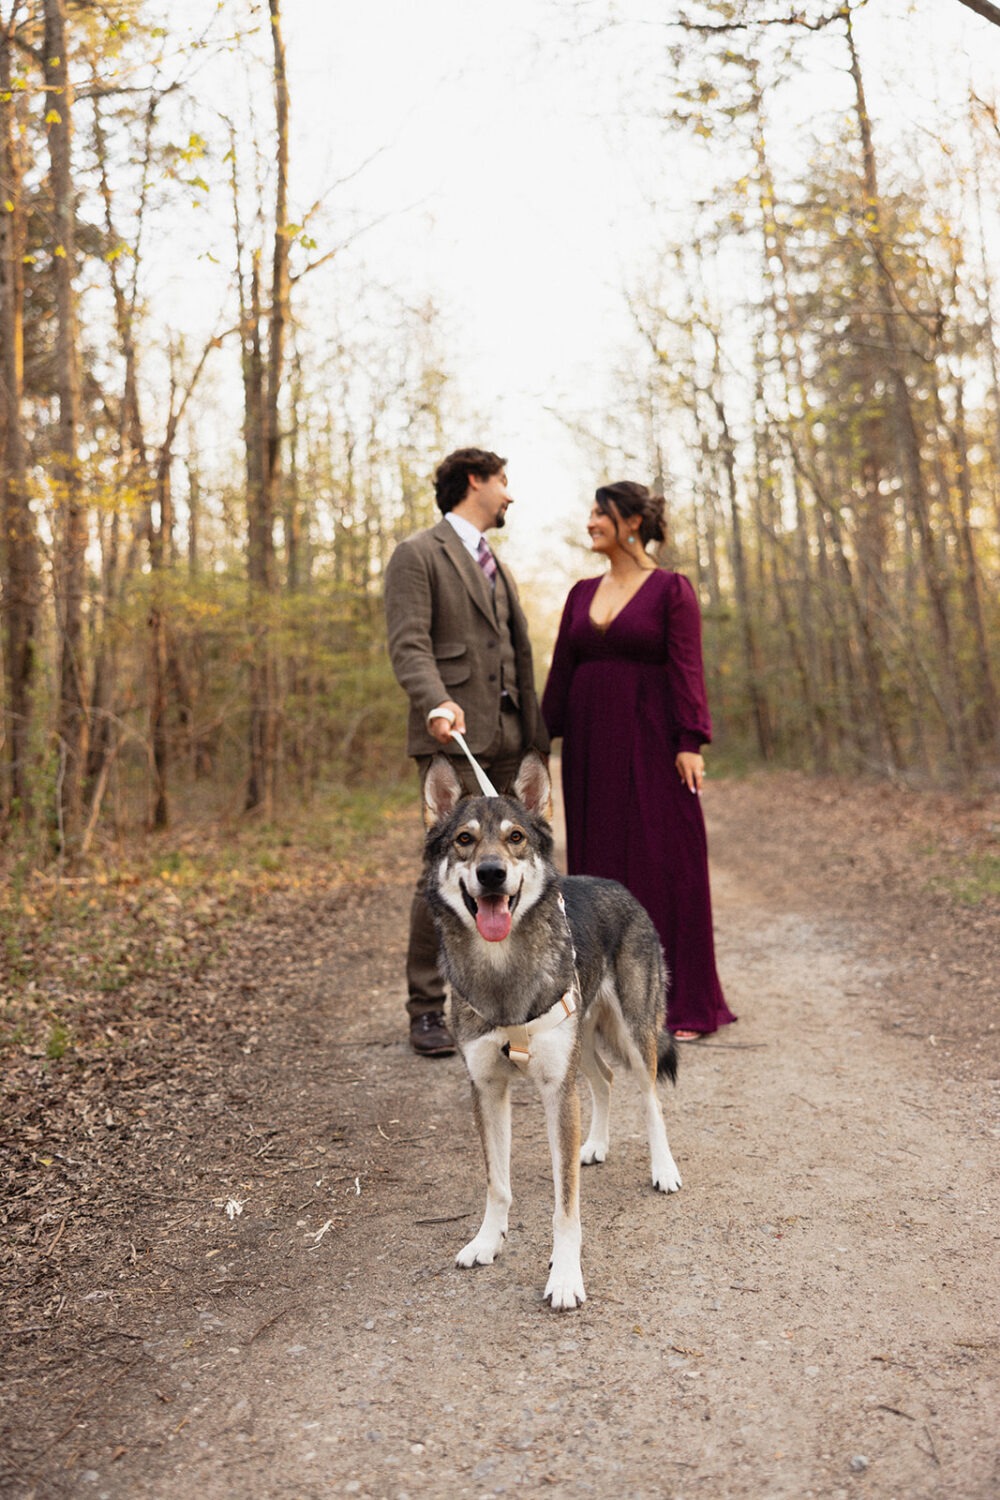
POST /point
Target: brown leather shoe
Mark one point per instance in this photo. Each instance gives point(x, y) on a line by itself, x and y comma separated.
point(430, 1036)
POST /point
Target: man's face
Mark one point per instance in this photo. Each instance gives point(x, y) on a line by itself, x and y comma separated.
point(492, 499)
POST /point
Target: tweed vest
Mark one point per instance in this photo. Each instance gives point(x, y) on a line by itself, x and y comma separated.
point(508, 661)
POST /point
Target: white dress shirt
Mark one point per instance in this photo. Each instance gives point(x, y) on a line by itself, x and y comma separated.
point(469, 535)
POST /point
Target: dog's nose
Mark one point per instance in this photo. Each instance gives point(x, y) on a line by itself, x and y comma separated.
point(491, 874)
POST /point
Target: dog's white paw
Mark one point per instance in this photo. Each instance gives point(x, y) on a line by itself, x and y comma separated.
point(666, 1178)
point(482, 1251)
point(592, 1152)
point(565, 1292)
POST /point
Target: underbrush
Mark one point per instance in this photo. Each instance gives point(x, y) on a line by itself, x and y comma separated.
point(972, 879)
point(83, 954)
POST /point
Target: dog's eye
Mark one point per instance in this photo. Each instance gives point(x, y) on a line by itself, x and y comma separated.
point(516, 836)
point(465, 839)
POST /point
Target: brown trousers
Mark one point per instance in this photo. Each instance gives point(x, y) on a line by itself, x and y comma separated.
point(424, 981)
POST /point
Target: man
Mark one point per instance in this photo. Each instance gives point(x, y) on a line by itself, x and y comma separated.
point(459, 646)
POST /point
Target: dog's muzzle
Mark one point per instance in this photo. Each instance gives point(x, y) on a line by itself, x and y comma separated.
point(491, 875)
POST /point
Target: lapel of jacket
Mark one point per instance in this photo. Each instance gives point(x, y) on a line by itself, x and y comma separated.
point(471, 574)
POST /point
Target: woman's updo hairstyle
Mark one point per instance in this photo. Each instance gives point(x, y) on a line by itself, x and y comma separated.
point(631, 499)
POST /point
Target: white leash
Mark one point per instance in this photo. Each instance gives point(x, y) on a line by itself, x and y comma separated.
point(485, 784)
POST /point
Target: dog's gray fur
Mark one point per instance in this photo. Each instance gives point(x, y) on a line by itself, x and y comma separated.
point(488, 865)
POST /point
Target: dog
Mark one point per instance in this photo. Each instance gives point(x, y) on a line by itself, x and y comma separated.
point(548, 974)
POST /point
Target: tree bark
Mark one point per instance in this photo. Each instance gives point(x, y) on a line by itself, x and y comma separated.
point(19, 566)
point(904, 420)
point(263, 396)
point(984, 8)
point(751, 655)
point(986, 704)
point(70, 551)
point(117, 570)
point(162, 555)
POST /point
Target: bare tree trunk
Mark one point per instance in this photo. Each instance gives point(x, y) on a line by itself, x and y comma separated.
point(116, 570)
point(295, 562)
point(706, 482)
point(265, 393)
point(70, 552)
point(260, 543)
point(194, 519)
point(751, 655)
point(986, 704)
point(19, 568)
point(907, 436)
point(882, 734)
point(990, 333)
point(160, 550)
point(799, 622)
point(833, 637)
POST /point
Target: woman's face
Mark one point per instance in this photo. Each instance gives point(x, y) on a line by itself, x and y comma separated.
point(603, 531)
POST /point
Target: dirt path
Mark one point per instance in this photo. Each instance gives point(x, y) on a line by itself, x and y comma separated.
point(814, 1314)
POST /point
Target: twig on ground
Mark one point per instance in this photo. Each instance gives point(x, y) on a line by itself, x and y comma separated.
point(57, 1237)
point(269, 1322)
point(78, 1408)
point(932, 1453)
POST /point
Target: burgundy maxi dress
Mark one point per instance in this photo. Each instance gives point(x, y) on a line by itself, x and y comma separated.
point(625, 699)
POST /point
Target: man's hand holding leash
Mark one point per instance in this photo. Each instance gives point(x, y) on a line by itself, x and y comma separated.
point(441, 721)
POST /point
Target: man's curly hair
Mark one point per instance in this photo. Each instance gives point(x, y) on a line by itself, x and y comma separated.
point(451, 478)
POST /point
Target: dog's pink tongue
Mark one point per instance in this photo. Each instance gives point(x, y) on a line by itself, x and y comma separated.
point(493, 918)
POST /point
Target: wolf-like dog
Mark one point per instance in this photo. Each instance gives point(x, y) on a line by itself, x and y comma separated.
point(548, 974)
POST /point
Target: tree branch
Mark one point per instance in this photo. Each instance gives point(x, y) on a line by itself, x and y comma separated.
point(984, 8)
point(795, 18)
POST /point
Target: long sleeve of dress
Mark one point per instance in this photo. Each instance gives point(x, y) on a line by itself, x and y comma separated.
point(685, 667)
point(556, 695)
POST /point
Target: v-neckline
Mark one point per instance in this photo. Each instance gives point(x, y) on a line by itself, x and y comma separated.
point(602, 629)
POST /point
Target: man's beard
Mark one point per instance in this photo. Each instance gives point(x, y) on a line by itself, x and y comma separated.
point(501, 520)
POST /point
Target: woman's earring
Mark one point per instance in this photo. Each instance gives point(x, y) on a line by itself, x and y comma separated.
point(631, 540)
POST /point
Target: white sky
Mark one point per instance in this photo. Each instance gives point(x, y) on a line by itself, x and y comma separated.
point(511, 188)
point(515, 200)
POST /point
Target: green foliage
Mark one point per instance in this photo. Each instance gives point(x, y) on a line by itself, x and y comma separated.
point(11, 934)
point(975, 880)
point(59, 1043)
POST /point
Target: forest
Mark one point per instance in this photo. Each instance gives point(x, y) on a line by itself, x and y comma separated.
point(194, 530)
point(263, 263)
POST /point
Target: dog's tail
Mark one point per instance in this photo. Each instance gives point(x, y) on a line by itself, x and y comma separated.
point(666, 1057)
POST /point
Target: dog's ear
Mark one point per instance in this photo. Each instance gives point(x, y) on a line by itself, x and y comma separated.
point(533, 787)
point(442, 790)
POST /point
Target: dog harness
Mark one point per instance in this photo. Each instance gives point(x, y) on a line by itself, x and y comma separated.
point(519, 1037)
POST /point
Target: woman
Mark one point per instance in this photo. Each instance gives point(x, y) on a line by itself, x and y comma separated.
point(626, 692)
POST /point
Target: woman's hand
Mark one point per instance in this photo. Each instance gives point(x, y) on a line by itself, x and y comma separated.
point(691, 769)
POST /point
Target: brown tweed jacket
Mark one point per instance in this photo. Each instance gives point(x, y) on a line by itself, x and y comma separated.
point(444, 640)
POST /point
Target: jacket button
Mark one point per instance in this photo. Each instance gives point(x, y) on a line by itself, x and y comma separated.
point(493, 677)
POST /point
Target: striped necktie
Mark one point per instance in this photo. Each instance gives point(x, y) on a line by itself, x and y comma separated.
point(486, 560)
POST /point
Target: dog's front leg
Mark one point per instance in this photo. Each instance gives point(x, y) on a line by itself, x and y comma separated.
point(491, 1103)
point(564, 1288)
